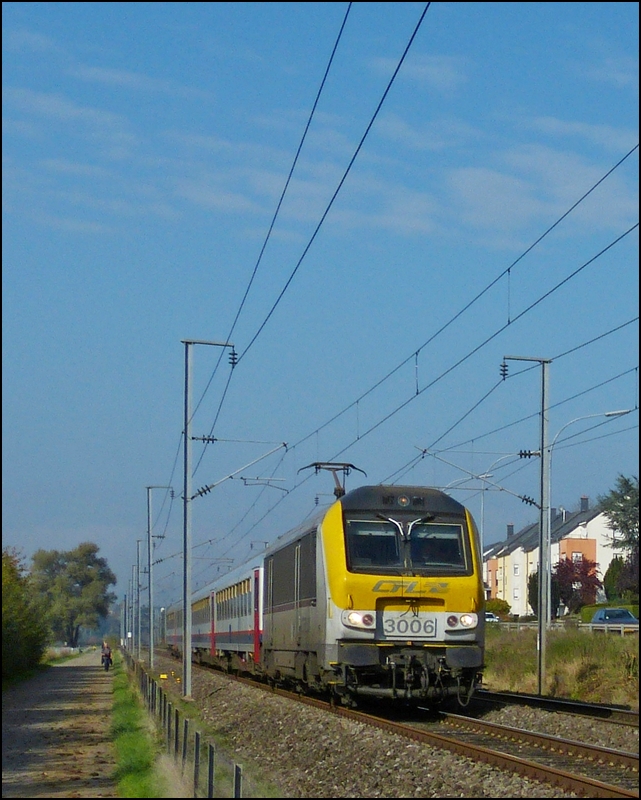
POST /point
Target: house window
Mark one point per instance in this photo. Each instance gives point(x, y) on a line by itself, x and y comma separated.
point(516, 569)
point(516, 594)
point(577, 557)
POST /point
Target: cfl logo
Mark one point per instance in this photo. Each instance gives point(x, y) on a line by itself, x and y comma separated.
point(392, 587)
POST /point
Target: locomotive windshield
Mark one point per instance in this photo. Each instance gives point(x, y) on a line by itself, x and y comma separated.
point(394, 546)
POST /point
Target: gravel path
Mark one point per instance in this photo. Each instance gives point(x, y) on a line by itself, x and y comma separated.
point(55, 733)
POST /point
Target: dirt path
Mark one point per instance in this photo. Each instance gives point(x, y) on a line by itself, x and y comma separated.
point(54, 741)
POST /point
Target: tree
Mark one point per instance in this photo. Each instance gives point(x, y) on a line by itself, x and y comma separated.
point(76, 585)
point(628, 582)
point(24, 629)
point(577, 581)
point(621, 507)
point(533, 593)
point(611, 578)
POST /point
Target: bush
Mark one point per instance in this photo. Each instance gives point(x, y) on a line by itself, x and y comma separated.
point(25, 633)
point(499, 607)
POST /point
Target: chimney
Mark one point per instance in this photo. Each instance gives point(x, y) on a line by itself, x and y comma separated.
point(585, 503)
point(510, 530)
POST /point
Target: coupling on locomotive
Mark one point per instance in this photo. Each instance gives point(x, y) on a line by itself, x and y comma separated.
point(379, 595)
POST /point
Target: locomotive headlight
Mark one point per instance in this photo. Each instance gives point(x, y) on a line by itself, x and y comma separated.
point(358, 619)
point(462, 621)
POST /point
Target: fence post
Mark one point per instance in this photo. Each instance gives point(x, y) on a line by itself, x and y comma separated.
point(176, 731)
point(238, 781)
point(210, 770)
point(185, 734)
point(196, 762)
point(169, 727)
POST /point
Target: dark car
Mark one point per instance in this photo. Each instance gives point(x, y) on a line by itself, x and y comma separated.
point(614, 616)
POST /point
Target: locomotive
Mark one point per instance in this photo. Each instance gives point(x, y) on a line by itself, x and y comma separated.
point(380, 595)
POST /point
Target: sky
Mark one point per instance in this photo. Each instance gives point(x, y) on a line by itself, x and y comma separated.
point(376, 204)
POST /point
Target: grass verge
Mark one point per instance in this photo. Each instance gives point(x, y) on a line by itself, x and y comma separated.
point(592, 667)
point(136, 741)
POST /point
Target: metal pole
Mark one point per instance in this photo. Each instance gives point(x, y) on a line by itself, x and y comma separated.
point(123, 623)
point(187, 533)
point(187, 518)
point(138, 630)
point(132, 608)
point(545, 575)
point(150, 592)
point(151, 573)
point(544, 520)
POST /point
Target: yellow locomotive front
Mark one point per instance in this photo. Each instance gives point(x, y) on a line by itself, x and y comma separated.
point(404, 592)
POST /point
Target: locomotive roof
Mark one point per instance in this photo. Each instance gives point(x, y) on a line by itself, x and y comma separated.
point(384, 499)
point(410, 498)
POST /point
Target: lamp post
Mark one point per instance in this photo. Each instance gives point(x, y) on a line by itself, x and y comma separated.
point(187, 515)
point(549, 508)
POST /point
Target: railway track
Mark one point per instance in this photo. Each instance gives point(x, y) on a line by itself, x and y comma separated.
point(597, 711)
point(587, 770)
point(571, 766)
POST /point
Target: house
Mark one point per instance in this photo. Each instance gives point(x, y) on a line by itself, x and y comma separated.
point(507, 565)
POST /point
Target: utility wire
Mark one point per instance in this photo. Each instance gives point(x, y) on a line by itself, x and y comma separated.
point(267, 237)
point(444, 327)
point(488, 339)
point(339, 187)
point(406, 467)
point(474, 300)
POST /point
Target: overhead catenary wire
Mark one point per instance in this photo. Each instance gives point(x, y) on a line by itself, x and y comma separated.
point(492, 336)
point(507, 270)
point(493, 282)
point(323, 216)
point(413, 397)
point(276, 212)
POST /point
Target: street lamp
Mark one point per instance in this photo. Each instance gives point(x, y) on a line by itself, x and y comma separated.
point(548, 576)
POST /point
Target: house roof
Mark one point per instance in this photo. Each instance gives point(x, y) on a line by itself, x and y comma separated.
point(528, 537)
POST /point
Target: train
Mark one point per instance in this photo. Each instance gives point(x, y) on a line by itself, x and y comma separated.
point(380, 595)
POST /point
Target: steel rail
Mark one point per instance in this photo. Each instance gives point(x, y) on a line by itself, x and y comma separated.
point(615, 714)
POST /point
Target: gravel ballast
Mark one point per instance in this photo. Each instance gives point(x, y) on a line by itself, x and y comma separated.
point(306, 752)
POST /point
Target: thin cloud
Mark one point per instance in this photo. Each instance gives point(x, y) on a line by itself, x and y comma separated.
point(69, 225)
point(134, 81)
point(55, 106)
point(491, 199)
point(614, 139)
point(208, 195)
point(441, 73)
point(438, 135)
point(620, 72)
point(62, 166)
point(24, 41)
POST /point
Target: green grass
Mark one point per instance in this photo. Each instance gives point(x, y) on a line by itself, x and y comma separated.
point(585, 666)
point(136, 742)
point(253, 781)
